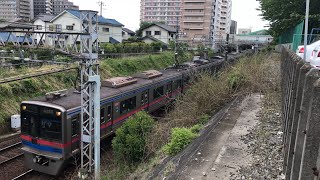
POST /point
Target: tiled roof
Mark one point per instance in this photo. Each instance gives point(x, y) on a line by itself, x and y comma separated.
point(163, 26)
point(44, 17)
point(128, 31)
point(101, 19)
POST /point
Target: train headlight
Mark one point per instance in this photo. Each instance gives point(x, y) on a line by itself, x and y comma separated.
point(24, 107)
point(58, 113)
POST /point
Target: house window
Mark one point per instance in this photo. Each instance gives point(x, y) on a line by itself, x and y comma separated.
point(148, 33)
point(50, 27)
point(105, 29)
point(38, 27)
point(157, 33)
point(69, 27)
point(58, 28)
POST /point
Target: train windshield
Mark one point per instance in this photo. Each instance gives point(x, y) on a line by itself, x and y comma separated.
point(41, 122)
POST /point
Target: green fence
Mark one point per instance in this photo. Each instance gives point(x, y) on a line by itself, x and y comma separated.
point(293, 36)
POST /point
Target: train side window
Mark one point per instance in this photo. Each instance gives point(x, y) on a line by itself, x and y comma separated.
point(102, 118)
point(75, 127)
point(109, 112)
point(127, 105)
point(158, 92)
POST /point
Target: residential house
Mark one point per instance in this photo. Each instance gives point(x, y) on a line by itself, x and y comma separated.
point(109, 30)
point(42, 23)
point(127, 33)
point(158, 31)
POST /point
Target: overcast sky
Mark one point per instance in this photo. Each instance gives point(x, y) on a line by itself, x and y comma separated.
point(128, 12)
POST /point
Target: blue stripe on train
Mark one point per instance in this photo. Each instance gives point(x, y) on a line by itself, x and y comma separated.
point(41, 147)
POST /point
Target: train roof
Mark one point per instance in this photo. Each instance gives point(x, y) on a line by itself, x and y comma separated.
point(72, 99)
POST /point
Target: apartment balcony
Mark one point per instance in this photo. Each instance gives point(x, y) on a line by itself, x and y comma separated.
point(193, 7)
point(193, 14)
point(193, 28)
point(193, 20)
point(195, 1)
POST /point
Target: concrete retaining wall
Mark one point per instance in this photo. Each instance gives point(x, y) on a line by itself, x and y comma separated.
point(300, 85)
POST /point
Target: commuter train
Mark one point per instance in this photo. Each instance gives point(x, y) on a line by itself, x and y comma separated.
point(50, 125)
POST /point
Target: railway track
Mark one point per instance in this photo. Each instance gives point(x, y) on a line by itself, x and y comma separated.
point(23, 175)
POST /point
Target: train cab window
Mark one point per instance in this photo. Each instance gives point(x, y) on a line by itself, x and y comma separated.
point(127, 105)
point(75, 127)
point(158, 92)
point(109, 112)
point(102, 118)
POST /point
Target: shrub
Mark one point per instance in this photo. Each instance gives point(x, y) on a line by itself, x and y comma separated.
point(180, 138)
point(196, 128)
point(130, 141)
point(204, 119)
point(235, 80)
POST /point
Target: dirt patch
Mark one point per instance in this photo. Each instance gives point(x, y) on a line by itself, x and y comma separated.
point(264, 144)
point(223, 152)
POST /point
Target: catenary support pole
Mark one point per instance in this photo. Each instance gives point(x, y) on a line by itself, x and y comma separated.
point(90, 97)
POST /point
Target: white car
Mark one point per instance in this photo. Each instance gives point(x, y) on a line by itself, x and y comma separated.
point(315, 57)
point(310, 48)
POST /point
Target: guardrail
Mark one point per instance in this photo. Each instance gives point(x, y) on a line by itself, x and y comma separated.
point(301, 116)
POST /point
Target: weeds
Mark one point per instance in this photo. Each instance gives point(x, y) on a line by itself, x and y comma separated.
point(11, 94)
point(205, 97)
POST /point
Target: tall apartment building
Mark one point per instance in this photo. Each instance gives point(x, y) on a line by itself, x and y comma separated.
point(61, 5)
point(53, 7)
point(13, 9)
point(201, 21)
point(168, 11)
point(43, 7)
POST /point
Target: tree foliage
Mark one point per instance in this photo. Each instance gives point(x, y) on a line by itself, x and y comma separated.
point(286, 14)
point(130, 141)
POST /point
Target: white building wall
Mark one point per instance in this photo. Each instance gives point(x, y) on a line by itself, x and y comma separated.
point(69, 20)
point(164, 37)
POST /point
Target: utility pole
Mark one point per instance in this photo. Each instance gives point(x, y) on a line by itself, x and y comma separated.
point(101, 4)
point(90, 97)
point(306, 25)
point(175, 44)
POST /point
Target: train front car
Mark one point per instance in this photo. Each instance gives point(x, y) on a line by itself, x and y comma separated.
point(44, 143)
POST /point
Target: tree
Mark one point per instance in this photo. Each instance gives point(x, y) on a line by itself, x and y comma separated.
point(286, 14)
point(142, 26)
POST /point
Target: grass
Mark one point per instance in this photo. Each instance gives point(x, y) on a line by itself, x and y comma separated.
point(203, 99)
point(11, 94)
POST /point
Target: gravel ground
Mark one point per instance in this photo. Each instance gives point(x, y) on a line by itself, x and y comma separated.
point(265, 144)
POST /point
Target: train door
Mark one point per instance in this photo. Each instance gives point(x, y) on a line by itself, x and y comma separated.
point(103, 123)
point(75, 132)
point(145, 100)
point(109, 118)
point(169, 90)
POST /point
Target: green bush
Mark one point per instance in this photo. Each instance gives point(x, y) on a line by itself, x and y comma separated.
point(196, 128)
point(130, 141)
point(180, 138)
point(235, 80)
